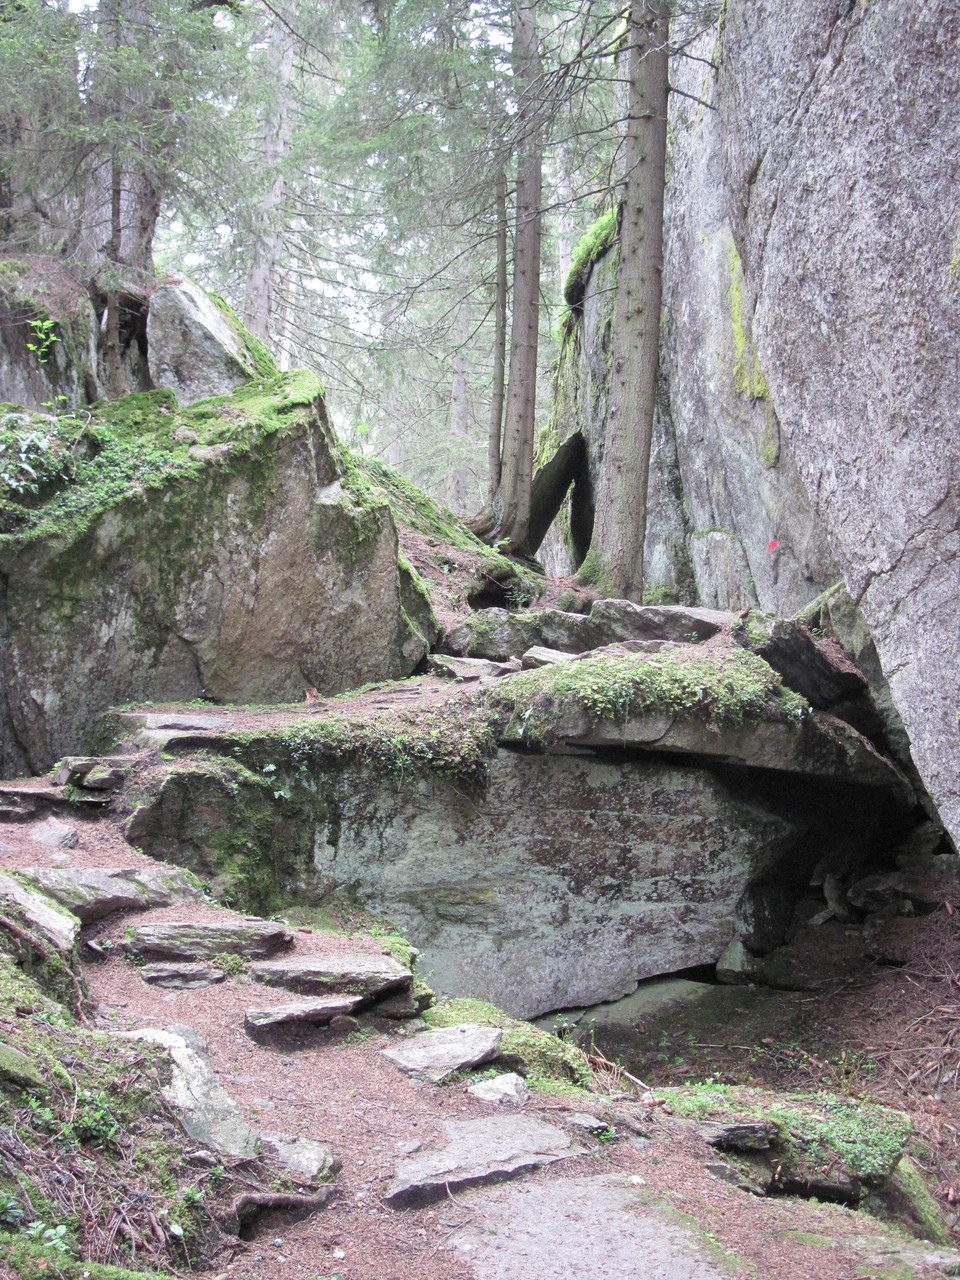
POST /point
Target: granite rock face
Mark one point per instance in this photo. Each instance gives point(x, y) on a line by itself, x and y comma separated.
point(191, 349)
point(835, 121)
point(248, 576)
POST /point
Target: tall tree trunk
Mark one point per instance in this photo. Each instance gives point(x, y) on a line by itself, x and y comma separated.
point(615, 559)
point(499, 340)
point(517, 468)
point(111, 353)
point(460, 418)
point(261, 295)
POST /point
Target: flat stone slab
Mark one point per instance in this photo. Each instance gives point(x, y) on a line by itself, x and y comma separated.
point(434, 1055)
point(739, 1135)
point(508, 1088)
point(300, 1155)
point(540, 656)
point(478, 1152)
point(180, 721)
point(555, 1228)
point(55, 834)
point(98, 892)
point(39, 914)
point(211, 1116)
point(356, 973)
point(250, 938)
point(316, 1011)
point(182, 976)
point(207, 1111)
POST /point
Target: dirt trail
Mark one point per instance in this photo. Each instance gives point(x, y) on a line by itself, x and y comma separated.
point(641, 1204)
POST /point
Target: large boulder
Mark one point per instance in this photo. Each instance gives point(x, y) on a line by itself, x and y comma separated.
point(619, 831)
point(835, 123)
point(195, 347)
point(214, 553)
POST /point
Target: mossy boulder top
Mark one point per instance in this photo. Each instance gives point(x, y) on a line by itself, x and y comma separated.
point(218, 551)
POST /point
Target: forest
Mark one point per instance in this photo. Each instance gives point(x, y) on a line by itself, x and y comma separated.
point(405, 197)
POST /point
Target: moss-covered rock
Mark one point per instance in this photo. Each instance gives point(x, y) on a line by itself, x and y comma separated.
point(196, 345)
point(545, 840)
point(213, 552)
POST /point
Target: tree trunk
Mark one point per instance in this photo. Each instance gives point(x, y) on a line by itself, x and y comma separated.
point(499, 340)
point(615, 559)
point(513, 500)
point(262, 287)
point(460, 418)
point(112, 343)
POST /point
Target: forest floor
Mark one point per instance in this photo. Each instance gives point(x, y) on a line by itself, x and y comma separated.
point(637, 1201)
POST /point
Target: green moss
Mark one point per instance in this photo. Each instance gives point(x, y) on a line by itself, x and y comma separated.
point(264, 365)
point(724, 690)
point(747, 375)
point(551, 1065)
point(600, 236)
point(918, 1210)
point(816, 1128)
point(141, 442)
point(29, 1261)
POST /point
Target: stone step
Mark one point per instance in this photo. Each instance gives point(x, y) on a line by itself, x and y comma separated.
point(181, 976)
point(91, 773)
point(98, 892)
point(39, 915)
point(315, 1012)
point(356, 973)
point(476, 1152)
point(174, 941)
point(434, 1055)
point(35, 795)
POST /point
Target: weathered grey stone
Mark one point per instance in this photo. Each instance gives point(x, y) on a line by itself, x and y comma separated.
point(477, 1152)
point(319, 1010)
point(434, 1055)
point(506, 1088)
point(357, 973)
point(582, 1227)
point(103, 777)
point(736, 964)
point(181, 976)
point(302, 1156)
point(280, 582)
point(818, 670)
point(868, 415)
point(587, 1122)
point(40, 915)
point(624, 620)
point(56, 834)
point(98, 892)
point(442, 664)
point(498, 633)
point(69, 367)
point(539, 656)
point(739, 1135)
point(19, 1068)
point(207, 1111)
point(248, 938)
point(191, 349)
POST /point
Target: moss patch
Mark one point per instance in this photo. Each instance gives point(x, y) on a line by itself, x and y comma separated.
point(600, 236)
point(94, 461)
point(725, 690)
point(747, 375)
point(817, 1129)
point(551, 1065)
